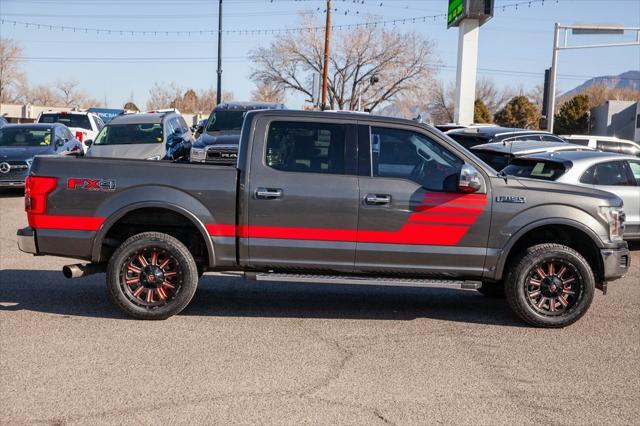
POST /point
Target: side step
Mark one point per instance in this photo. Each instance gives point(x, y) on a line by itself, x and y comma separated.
point(363, 280)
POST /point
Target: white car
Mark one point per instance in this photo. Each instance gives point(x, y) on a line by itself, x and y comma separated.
point(85, 126)
point(606, 143)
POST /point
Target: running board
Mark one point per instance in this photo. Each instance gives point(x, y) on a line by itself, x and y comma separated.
point(362, 280)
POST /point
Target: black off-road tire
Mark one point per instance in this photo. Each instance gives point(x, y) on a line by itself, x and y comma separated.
point(493, 290)
point(519, 277)
point(184, 279)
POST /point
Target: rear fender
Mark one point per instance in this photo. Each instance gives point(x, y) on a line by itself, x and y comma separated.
point(163, 197)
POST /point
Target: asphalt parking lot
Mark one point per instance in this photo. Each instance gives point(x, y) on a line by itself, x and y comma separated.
point(298, 353)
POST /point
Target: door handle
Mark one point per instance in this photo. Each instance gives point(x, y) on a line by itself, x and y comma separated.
point(377, 199)
point(268, 193)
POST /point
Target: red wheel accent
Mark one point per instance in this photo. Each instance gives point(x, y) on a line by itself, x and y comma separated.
point(151, 278)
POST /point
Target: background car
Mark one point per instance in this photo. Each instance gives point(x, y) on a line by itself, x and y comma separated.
point(499, 154)
point(223, 130)
point(606, 143)
point(84, 125)
point(615, 173)
point(147, 136)
point(486, 134)
point(19, 143)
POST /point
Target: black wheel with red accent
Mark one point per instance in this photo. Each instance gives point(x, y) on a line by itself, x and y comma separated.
point(550, 285)
point(152, 276)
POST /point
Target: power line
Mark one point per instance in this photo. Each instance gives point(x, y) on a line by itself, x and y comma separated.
point(262, 31)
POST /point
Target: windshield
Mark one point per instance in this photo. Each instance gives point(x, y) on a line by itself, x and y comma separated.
point(20, 137)
point(130, 134)
point(69, 120)
point(496, 160)
point(225, 120)
point(535, 169)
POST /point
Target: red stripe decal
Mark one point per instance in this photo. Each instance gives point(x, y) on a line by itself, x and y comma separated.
point(76, 223)
point(219, 230)
point(449, 210)
point(442, 218)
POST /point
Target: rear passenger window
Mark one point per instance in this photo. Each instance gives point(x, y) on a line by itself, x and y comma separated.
point(612, 173)
point(306, 147)
point(584, 142)
point(635, 170)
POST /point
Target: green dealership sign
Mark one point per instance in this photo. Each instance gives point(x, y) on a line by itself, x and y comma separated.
point(482, 10)
point(455, 12)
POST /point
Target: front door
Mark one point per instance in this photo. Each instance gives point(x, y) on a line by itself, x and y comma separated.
point(412, 217)
point(303, 196)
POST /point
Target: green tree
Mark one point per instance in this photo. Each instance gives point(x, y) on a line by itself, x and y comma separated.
point(573, 116)
point(481, 113)
point(518, 112)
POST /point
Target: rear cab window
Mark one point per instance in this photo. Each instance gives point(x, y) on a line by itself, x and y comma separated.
point(69, 120)
point(306, 147)
point(535, 169)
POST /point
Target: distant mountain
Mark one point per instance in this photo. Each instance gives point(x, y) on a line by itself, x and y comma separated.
point(626, 80)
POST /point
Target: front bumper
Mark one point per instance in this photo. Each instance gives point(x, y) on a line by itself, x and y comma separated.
point(616, 262)
point(27, 240)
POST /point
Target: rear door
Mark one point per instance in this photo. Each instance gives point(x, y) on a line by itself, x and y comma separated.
point(412, 217)
point(302, 195)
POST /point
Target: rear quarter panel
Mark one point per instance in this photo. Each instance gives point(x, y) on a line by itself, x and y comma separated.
point(203, 193)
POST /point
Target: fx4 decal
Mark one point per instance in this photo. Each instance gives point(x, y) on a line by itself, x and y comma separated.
point(92, 184)
point(511, 199)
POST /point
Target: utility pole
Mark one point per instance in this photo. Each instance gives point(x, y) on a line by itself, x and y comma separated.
point(219, 88)
point(325, 68)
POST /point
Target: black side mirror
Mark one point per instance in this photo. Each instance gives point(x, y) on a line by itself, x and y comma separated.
point(88, 142)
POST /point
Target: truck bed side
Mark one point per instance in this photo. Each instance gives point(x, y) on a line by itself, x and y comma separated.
point(98, 201)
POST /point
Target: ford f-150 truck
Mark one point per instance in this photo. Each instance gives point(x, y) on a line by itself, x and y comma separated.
point(328, 198)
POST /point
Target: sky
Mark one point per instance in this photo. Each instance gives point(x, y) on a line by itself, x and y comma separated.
point(514, 48)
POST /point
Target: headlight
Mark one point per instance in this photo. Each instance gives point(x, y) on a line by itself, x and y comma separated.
point(155, 157)
point(615, 217)
point(198, 155)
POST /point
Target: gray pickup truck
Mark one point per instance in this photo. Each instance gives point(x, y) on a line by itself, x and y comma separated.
point(328, 198)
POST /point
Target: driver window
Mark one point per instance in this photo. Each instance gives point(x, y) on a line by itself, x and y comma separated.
point(413, 156)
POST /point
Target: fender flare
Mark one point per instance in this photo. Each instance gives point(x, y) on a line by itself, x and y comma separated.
point(506, 251)
point(120, 213)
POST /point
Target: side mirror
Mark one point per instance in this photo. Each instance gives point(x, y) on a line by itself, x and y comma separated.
point(60, 142)
point(470, 179)
point(88, 142)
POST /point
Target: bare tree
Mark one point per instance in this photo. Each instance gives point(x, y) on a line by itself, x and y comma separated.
point(493, 97)
point(11, 75)
point(399, 62)
point(442, 106)
point(39, 95)
point(72, 96)
point(536, 95)
point(172, 95)
point(266, 91)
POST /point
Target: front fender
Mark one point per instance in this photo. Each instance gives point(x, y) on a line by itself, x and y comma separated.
point(155, 196)
point(536, 217)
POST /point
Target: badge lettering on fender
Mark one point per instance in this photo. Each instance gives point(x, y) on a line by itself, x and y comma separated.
point(511, 199)
point(92, 184)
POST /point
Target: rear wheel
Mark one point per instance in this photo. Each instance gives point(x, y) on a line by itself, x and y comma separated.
point(152, 276)
point(550, 285)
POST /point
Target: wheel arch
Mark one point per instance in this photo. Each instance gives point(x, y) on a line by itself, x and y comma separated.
point(554, 230)
point(114, 218)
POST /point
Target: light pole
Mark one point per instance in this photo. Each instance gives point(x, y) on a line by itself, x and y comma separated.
point(579, 30)
point(219, 85)
point(325, 68)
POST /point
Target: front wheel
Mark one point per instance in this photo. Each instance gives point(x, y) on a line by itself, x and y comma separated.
point(550, 285)
point(152, 276)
